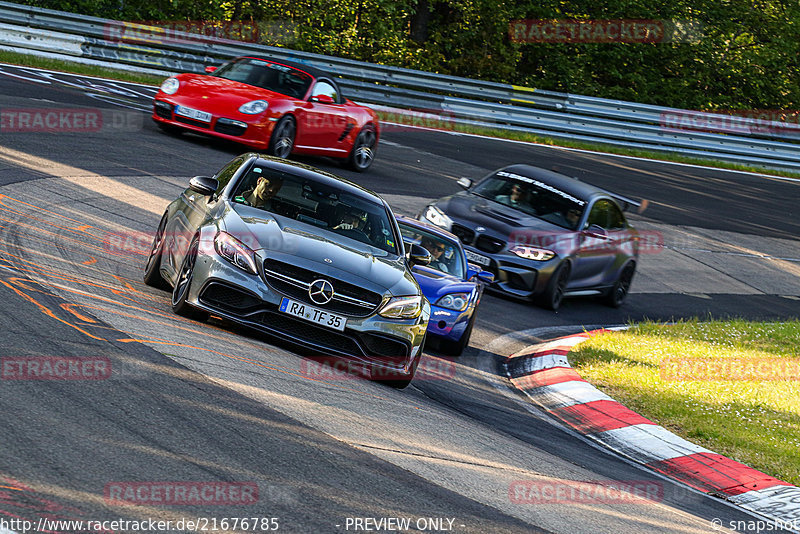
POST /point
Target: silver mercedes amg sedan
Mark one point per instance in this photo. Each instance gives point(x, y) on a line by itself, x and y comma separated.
point(300, 254)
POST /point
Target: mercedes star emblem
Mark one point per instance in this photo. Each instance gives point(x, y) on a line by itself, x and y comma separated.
point(320, 291)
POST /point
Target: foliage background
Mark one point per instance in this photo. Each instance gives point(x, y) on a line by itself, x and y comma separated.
point(748, 57)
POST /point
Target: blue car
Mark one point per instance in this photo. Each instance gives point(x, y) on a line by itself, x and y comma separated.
point(453, 286)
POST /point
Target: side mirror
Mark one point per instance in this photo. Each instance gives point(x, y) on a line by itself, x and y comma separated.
point(419, 255)
point(205, 185)
point(473, 272)
point(466, 183)
point(210, 69)
point(322, 99)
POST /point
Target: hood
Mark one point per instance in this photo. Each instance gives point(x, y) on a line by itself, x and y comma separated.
point(435, 284)
point(307, 246)
point(217, 89)
point(500, 221)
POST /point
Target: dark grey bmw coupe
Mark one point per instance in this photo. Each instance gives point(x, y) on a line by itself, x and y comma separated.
point(544, 236)
point(298, 253)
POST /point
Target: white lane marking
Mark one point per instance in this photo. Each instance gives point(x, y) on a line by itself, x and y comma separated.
point(37, 70)
point(594, 152)
point(37, 80)
point(647, 443)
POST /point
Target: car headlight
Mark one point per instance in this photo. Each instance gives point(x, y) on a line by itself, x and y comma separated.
point(532, 253)
point(235, 252)
point(437, 217)
point(454, 301)
point(170, 86)
point(402, 308)
point(254, 108)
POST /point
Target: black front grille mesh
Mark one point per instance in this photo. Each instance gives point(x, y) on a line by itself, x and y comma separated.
point(490, 244)
point(465, 234)
point(340, 287)
point(228, 298)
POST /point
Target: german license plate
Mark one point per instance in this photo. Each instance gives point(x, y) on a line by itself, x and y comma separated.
point(477, 258)
point(195, 114)
point(315, 315)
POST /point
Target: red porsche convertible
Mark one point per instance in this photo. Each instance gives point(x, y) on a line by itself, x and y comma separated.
point(276, 106)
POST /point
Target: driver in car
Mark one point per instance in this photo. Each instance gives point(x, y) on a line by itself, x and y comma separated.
point(261, 195)
point(350, 221)
point(436, 249)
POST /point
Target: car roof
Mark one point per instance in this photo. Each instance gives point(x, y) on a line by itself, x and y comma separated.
point(573, 186)
point(437, 230)
point(305, 67)
point(307, 171)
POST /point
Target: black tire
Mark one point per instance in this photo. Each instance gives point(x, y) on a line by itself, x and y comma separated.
point(281, 143)
point(363, 152)
point(617, 294)
point(152, 272)
point(455, 348)
point(553, 296)
point(184, 283)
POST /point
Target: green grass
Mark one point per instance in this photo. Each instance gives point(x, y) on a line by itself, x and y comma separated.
point(756, 422)
point(131, 76)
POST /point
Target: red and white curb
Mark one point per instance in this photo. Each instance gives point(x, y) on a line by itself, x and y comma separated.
point(544, 374)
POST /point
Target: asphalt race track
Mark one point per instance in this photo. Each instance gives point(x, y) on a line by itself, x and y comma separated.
point(181, 403)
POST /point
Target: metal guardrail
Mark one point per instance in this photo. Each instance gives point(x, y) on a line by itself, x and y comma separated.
point(460, 100)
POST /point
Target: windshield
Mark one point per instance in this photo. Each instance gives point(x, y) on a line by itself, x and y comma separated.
point(446, 255)
point(533, 197)
point(260, 73)
point(325, 207)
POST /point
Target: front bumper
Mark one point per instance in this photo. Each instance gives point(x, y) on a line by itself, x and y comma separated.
point(449, 324)
point(517, 276)
point(375, 342)
point(251, 130)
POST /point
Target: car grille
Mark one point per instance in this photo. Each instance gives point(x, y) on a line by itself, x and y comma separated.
point(305, 330)
point(465, 234)
point(229, 127)
point(489, 244)
point(226, 297)
point(187, 120)
point(293, 281)
point(163, 109)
